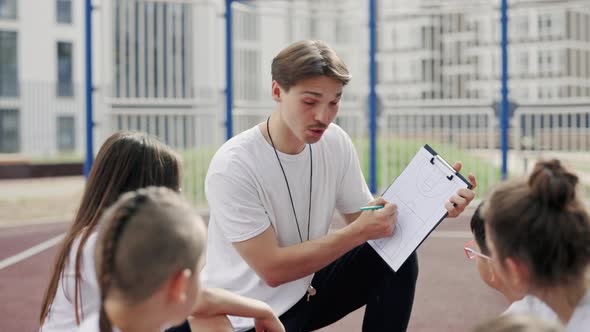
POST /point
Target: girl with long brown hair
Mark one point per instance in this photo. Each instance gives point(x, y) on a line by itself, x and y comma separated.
point(126, 161)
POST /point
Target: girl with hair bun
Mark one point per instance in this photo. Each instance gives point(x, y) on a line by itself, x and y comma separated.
point(539, 238)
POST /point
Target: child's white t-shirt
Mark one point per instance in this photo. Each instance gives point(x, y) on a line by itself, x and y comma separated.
point(580, 320)
point(532, 305)
point(91, 324)
point(62, 316)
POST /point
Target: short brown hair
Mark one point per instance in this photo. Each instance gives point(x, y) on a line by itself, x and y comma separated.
point(143, 239)
point(147, 235)
point(307, 59)
point(478, 229)
point(541, 222)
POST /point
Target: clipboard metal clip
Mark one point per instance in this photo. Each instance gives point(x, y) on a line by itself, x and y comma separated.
point(444, 162)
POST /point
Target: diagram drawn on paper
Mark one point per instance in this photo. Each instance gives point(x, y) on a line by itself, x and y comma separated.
point(420, 193)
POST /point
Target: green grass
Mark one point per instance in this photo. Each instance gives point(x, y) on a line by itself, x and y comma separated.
point(581, 167)
point(398, 153)
point(196, 162)
point(64, 157)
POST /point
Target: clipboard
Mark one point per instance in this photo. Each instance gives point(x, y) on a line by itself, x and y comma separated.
point(420, 193)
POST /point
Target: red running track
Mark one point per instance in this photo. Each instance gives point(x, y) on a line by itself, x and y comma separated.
point(450, 296)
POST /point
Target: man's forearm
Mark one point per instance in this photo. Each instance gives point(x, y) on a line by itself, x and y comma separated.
point(300, 260)
point(216, 301)
point(277, 265)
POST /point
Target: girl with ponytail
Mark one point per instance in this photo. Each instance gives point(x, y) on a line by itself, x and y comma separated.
point(148, 255)
point(538, 233)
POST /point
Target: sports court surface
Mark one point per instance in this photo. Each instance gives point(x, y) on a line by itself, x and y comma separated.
point(450, 296)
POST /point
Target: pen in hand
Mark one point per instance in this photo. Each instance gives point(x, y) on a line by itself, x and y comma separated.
point(372, 207)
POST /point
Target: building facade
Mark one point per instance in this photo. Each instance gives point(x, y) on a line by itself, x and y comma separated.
point(441, 60)
point(153, 58)
point(159, 66)
point(451, 51)
point(166, 61)
point(41, 68)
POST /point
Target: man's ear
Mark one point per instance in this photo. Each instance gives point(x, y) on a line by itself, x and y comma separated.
point(276, 91)
point(178, 286)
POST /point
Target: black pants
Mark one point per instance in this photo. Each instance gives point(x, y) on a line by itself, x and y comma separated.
point(358, 278)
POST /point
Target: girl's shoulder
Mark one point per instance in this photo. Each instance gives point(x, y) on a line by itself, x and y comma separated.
point(90, 324)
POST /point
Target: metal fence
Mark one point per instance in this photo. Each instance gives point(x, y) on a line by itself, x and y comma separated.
point(552, 128)
point(194, 128)
point(194, 123)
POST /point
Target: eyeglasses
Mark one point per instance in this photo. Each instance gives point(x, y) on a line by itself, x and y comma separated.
point(472, 253)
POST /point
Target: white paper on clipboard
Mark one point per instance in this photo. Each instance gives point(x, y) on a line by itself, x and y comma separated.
point(420, 193)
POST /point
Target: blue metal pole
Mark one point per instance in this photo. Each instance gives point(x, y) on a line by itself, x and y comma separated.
point(505, 106)
point(89, 88)
point(372, 98)
point(228, 70)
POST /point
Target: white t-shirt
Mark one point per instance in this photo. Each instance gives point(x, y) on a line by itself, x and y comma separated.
point(580, 320)
point(91, 324)
point(247, 193)
point(532, 305)
point(62, 315)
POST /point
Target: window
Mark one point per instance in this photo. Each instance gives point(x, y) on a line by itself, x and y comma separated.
point(64, 69)
point(63, 10)
point(9, 131)
point(523, 63)
point(523, 26)
point(247, 26)
point(8, 64)
point(541, 65)
point(66, 133)
point(545, 25)
point(7, 8)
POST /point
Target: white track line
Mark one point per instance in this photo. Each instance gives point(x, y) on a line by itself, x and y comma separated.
point(55, 240)
point(30, 252)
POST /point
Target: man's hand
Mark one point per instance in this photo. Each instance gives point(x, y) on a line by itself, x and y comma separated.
point(213, 304)
point(375, 224)
point(458, 202)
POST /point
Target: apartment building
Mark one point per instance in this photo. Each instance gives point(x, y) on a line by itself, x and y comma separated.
point(41, 68)
point(450, 51)
point(160, 65)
